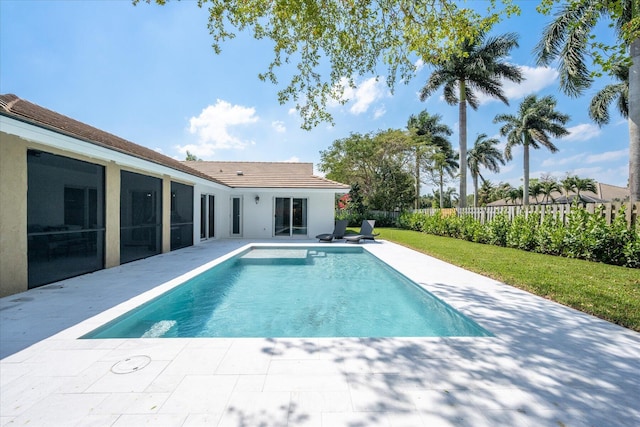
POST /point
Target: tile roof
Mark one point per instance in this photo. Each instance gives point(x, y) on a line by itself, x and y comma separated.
point(20, 109)
point(265, 175)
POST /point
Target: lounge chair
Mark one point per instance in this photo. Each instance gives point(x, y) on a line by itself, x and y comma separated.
point(366, 232)
point(338, 232)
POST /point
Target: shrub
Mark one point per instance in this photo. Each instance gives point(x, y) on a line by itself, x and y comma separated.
point(585, 235)
point(550, 235)
point(498, 228)
point(522, 231)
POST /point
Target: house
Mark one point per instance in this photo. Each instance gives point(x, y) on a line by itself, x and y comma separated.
point(76, 199)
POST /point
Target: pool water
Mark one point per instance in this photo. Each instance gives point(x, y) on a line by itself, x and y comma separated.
point(295, 292)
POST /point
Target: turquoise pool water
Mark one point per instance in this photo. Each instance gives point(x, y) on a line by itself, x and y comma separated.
point(295, 292)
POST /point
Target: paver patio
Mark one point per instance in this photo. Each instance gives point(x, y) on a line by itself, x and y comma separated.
point(548, 365)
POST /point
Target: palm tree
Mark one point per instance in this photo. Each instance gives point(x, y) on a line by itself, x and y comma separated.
point(599, 106)
point(568, 39)
point(428, 131)
point(535, 189)
point(514, 194)
point(484, 153)
point(480, 68)
point(537, 119)
point(444, 161)
point(502, 190)
point(569, 184)
point(487, 192)
point(547, 187)
point(585, 184)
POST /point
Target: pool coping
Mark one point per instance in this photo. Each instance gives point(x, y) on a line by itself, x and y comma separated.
point(546, 364)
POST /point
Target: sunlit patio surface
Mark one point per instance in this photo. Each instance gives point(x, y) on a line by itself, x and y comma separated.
point(547, 365)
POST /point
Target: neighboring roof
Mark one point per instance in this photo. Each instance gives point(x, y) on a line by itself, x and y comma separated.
point(612, 192)
point(265, 175)
point(20, 109)
point(605, 193)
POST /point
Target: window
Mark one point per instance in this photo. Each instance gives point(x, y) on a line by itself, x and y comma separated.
point(140, 216)
point(65, 217)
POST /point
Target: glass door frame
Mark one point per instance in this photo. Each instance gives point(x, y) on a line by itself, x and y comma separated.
point(207, 216)
point(289, 203)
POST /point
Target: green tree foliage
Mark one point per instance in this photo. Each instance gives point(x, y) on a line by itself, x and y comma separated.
point(379, 164)
point(537, 120)
point(481, 66)
point(548, 186)
point(483, 154)
point(192, 157)
point(326, 41)
point(443, 163)
point(569, 41)
point(575, 184)
point(618, 92)
point(446, 199)
point(428, 134)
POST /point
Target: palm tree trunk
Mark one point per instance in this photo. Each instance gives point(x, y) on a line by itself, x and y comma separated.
point(441, 188)
point(462, 130)
point(525, 189)
point(475, 190)
point(417, 178)
point(634, 121)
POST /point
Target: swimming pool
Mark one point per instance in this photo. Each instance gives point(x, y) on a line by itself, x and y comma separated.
point(329, 291)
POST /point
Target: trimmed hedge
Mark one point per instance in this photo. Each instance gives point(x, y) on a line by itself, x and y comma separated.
point(584, 236)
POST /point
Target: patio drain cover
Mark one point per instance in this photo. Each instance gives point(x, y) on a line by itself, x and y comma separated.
point(130, 364)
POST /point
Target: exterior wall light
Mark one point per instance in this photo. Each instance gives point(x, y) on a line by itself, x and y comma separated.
point(257, 199)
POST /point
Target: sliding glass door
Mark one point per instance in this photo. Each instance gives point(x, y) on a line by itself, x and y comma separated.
point(290, 217)
point(140, 216)
point(65, 217)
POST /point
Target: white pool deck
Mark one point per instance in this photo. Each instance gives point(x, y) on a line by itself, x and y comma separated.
point(547, 365)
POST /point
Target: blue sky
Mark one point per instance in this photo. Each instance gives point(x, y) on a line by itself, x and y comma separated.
point(148, 74)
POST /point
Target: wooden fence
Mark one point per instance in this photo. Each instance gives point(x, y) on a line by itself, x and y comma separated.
point(487, 213)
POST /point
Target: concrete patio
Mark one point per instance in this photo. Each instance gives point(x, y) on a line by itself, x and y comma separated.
point(547, 365)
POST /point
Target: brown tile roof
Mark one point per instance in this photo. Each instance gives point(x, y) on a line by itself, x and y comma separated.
point(265, 175)
point(20, 109)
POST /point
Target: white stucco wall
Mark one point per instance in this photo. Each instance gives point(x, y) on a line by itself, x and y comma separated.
point(258, 218)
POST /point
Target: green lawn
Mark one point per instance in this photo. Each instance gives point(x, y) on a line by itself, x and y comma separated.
point(609, 292)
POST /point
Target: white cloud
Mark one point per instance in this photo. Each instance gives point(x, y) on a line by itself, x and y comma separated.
point(292, 111)
point(584, 159)
point(607, 156)
point(419, 65)
point(379, 112)
point(534, 80)
point(559, 161)
point(213, 126)
point(278, 126)
point(582, 132)
point(362, 96)
point(292, 159)
point(158, 150)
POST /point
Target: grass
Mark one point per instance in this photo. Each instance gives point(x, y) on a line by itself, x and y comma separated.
point(609, 292)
